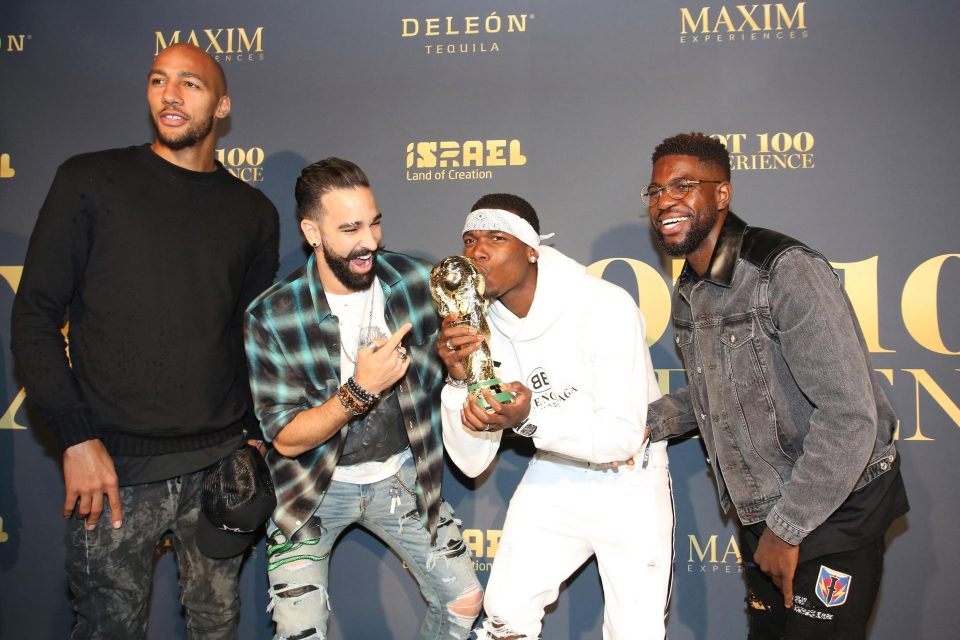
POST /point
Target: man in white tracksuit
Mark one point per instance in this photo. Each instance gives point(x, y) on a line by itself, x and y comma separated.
point(574, 345)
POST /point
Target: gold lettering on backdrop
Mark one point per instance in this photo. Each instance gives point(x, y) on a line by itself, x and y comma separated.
point(4, 536)
point(686, 20)
point(748, 20)
point(12, 274)
point(243, 163)
point(780, 150)
point(708, 552)
point(6, 169)
point(702, 553)
point(924, 380)
point(919, 305)
point(436, 156)
point(15, 42)
point(654, 295)
point(785, 21)
point(860, 282)
point(468, 25)
point(217, 41)
point(483, 543)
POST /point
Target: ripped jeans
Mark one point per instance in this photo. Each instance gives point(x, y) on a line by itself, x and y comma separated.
point(298, 571)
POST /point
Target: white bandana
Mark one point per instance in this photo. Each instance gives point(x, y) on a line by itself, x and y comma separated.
point(500, 220)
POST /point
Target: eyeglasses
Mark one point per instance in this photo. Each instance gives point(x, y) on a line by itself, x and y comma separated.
point(676, 189)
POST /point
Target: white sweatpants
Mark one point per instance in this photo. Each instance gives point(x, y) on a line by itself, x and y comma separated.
point(560, 515)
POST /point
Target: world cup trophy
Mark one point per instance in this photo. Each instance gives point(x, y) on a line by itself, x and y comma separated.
point(457, 287)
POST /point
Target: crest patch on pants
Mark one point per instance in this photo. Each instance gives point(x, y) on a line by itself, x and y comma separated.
point(833, 587)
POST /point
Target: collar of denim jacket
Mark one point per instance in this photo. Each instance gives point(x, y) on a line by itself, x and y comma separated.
point(725, 256)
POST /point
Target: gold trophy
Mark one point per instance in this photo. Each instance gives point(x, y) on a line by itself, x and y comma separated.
point(457, 287)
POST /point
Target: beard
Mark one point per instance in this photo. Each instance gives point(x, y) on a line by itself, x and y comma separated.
point(194, 134)
point(701, 223)
point(340, 266)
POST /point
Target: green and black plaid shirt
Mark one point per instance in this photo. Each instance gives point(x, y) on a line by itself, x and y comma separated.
point(293, 349)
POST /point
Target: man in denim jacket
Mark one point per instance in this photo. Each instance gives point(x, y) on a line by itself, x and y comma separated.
point(796, 427)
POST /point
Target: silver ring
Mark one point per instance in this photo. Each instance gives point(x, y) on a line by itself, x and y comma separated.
point(400, 354)
point(450, 346)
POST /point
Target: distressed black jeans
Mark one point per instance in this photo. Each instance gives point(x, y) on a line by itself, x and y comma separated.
point(111, 570)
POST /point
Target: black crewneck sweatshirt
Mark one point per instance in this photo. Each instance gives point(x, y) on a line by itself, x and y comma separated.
point(154, 265)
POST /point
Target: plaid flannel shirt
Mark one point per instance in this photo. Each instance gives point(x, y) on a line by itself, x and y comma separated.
point(292, 342)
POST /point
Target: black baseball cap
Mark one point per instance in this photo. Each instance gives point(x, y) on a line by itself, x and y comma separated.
point(237, 499)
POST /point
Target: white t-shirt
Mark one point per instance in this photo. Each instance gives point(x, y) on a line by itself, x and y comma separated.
point(361, 318)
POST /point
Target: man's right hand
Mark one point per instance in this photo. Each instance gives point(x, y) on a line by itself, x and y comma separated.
point(455, 343)
point(88, 473)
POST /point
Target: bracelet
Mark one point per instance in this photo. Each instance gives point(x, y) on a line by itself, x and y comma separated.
point(360, 393)
point(454, 382)
point(353, 406)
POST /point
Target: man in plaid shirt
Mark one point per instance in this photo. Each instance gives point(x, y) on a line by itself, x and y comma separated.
point(346, 382)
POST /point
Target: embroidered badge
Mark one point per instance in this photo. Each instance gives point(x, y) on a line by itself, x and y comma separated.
point(833, 587)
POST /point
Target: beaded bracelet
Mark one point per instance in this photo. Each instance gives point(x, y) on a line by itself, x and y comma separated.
point(360, 393)
point(353, 406)
point(454, 382)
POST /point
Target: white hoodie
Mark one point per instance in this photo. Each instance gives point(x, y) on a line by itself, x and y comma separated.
point(582, 352)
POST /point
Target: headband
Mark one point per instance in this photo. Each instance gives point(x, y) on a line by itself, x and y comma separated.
point(500, 220)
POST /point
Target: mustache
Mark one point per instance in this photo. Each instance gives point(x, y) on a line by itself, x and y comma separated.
point(362, 253)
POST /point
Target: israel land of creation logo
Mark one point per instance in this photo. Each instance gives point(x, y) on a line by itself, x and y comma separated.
point(459, 35)
point(714, 24)
point(225, 44)
point(439, 160)
point(769, 150)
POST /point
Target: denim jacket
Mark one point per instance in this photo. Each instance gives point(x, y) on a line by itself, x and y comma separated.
point(779, 382)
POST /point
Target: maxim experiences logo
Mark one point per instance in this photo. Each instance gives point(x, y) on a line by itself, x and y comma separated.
point(742, 22)
point(226, 44)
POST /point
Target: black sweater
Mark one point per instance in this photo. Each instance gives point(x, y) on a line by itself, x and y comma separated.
point(154, 265)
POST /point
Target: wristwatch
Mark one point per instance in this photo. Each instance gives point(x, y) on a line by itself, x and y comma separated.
point(525, 428)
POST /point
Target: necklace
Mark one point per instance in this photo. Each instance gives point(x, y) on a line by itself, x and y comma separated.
point(367, 332)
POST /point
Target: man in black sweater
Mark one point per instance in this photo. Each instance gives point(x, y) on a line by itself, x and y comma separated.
point(152, 254)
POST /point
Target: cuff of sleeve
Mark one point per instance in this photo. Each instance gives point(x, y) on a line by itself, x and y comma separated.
point(789, 533)
point(653, 423)
point(535, 418)
point(74, 426)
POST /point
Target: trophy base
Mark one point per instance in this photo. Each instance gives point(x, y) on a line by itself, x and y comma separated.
point(493, 384)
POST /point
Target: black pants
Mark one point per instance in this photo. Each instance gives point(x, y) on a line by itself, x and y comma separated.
point(833, 595)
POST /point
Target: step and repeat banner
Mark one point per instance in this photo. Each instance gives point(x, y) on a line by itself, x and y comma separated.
point(841, 121)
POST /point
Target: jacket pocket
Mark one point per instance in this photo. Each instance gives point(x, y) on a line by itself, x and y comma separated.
point(740, 352)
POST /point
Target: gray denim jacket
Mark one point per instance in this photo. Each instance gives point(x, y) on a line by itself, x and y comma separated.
point(779, 382)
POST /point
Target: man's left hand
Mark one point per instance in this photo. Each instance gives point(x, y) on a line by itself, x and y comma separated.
point(778, 560)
